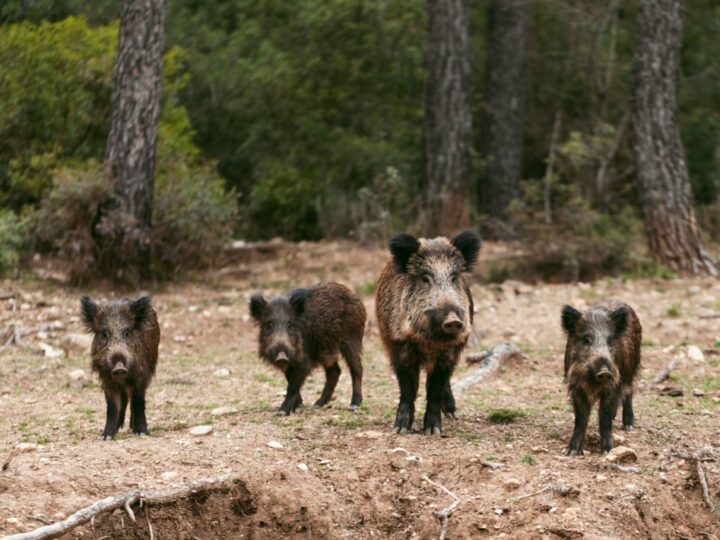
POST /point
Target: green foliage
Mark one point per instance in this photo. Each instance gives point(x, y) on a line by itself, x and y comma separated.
point(12, 239)
point(528, 459)
point(505, 416)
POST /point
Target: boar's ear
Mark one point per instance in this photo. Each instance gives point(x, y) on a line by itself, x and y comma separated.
point(89, 311)
point(140, 309)
point(402, 246)
point(570, 317)
point(619, 317)
point(467, 243)
point(257, 306)
point(297, 301)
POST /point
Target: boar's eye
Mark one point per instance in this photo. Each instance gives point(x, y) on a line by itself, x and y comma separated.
point(126, 333)
point(587, 340)
point(455, 276)
point(426, 279)
point(290, 325)
point(268, 326)
point(104, 335)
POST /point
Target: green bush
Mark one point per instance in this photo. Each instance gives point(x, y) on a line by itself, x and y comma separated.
point(12, 239)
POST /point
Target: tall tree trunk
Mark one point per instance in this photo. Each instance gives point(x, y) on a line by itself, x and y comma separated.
point(663, 180)
point(501, 124)
point(137, 88)
point(448, 117)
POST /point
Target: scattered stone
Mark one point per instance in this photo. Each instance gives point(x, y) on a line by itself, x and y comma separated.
point(618, 439)
point(694, 353)
point(539, 449)
point(693, 289)
point(512, 484)
point(222, 372)
point(199, 431)
point(565, 490)
point(51, 352)
point(672, 391)
point(193, 309)
point(369, 434)
point(302, 467)
point(398, 463)
point(634, 491)
point(275, 445)
point(222, 411)
point(168, 475)
point(621, 454)
point(500, 511)
point(77, 375)
point(600, 477)
point(26, 447)
point(698, 393)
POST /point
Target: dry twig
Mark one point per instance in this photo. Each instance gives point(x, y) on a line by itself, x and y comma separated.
point(108, 504)
point(489, 362)
point(445, 513)
point(665, 373)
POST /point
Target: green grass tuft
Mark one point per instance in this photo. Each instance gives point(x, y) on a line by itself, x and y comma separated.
point(505, 416)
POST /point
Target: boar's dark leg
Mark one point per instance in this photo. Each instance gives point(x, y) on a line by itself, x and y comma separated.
point(351, 353)
point(138, 422)
point(628, 414)
point(123, 408)
point(295, 376)
point(582, 413)
point(112, 399)
point(332, 374)
point(298, 405)
point(408, 375)
point(606, 414)
point(438, 381)
point(447, 403)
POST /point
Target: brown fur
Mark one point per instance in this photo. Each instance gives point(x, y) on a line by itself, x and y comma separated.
point(420, 288)
point(124, 354)
point(604, 340)
point(311, 327)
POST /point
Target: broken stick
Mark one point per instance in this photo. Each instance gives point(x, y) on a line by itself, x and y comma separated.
point(489, 362)
point(444, 514)
point(125, 500)
point(665, 373)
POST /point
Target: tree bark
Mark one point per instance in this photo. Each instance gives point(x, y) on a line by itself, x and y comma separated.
point(501, 139)
point(137, 89)
point(663, 182)
point(448, 117)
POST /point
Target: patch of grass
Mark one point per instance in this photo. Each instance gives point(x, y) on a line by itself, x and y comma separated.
point(266, 378)
point(717, 344)
point(490, 457)
point(468, 435)
point(204, 406)
point(500, 271)
point(648, 343)
point(710, 384)
point(345, 421)
point(554, 436)
point(528, 459)
point(674, 311)
point(505, 416)
point(366, 289)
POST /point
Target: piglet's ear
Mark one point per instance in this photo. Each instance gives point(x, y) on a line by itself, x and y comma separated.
point(257, 306)
point(89, 311)
point(140, 310)
point(570, 316)
point(467, 243)
point(403, 246)
point(298, 299)
point(619, 317)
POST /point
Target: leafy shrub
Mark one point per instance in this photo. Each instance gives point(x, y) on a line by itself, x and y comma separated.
point(12, 238)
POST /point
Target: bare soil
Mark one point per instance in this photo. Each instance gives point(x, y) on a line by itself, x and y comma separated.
point(343, 474)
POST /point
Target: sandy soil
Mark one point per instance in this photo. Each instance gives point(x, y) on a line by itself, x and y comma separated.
point(340, 474)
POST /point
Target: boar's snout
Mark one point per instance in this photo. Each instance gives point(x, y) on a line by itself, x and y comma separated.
point(603, 373)
point(452, 324)
point(119, 365)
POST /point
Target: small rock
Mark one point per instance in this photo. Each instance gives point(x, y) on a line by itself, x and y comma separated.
point(222, 372)
point(275, 445)
point(352, 476)
point(398, 463)
point(693, 289)
point(192, 309)
point(621, 454)
point(600, 477)
point(222, 411)
point(539, 449)
point(512, 484)
point(77, 375)
point(499, 511)
point(695, 354)
point(369, 434)
point(168, 475)
point(672, 391)
point(199, 431)
point(698, 393)
point(51, 352)
point(26, 447)
point(565, 490)
point(633, 490)
point(618, 439)
point(302, 467)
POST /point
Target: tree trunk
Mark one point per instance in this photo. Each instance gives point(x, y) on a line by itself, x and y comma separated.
point(448, 117)
point(663, 180)
point(501, 139)
point(137, 88)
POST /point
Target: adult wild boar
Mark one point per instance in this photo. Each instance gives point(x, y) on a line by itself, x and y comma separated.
point(602, 358)
point(425, 313)
point(124, 354)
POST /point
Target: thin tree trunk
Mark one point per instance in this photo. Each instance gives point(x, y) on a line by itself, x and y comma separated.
point(448, 118)
point(501, 140)
point(137, 88)
point(663, 182)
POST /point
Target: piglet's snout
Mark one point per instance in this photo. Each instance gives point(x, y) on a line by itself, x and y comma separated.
point(281, 357)
point(452, 324)
point(119, 365)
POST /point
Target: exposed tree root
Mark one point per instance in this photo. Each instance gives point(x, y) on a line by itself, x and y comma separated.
point(445, 513)
point(489, 362)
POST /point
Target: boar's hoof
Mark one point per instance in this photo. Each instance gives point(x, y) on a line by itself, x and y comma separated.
point(450, 415)
point(142, 434)
point(354, 407)
point(433, 431)
point(298, 409)
point(104, 437)
point(318, 405)
point(401, 430)
point(282, 412)
point(629, 427)
point(571, 452)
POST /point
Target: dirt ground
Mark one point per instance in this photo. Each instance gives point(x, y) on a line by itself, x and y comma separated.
point(342, 474)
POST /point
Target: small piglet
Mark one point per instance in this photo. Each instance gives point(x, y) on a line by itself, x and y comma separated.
point(124, 354)
point(602, 358)
point(308, 327)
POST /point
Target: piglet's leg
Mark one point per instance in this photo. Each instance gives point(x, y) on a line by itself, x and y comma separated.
point(332, 374)
point(138, 422)
point(582, 413)
point(112, 399)
point(628, 416)
point(408, 378)
point(295, 378)
point(123, 408)
point(447, 404)
point(606, 415)
point(437, 383)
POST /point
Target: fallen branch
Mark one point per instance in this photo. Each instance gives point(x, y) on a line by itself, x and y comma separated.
point(703, 454)
point(13, 336)
point(444, 514)
point(665, 373)
point(710, 316)
point(704, 484)
point(7, 296)
point(125, 500)
point(489, 362)
point(528, 495)
point(622, 468)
